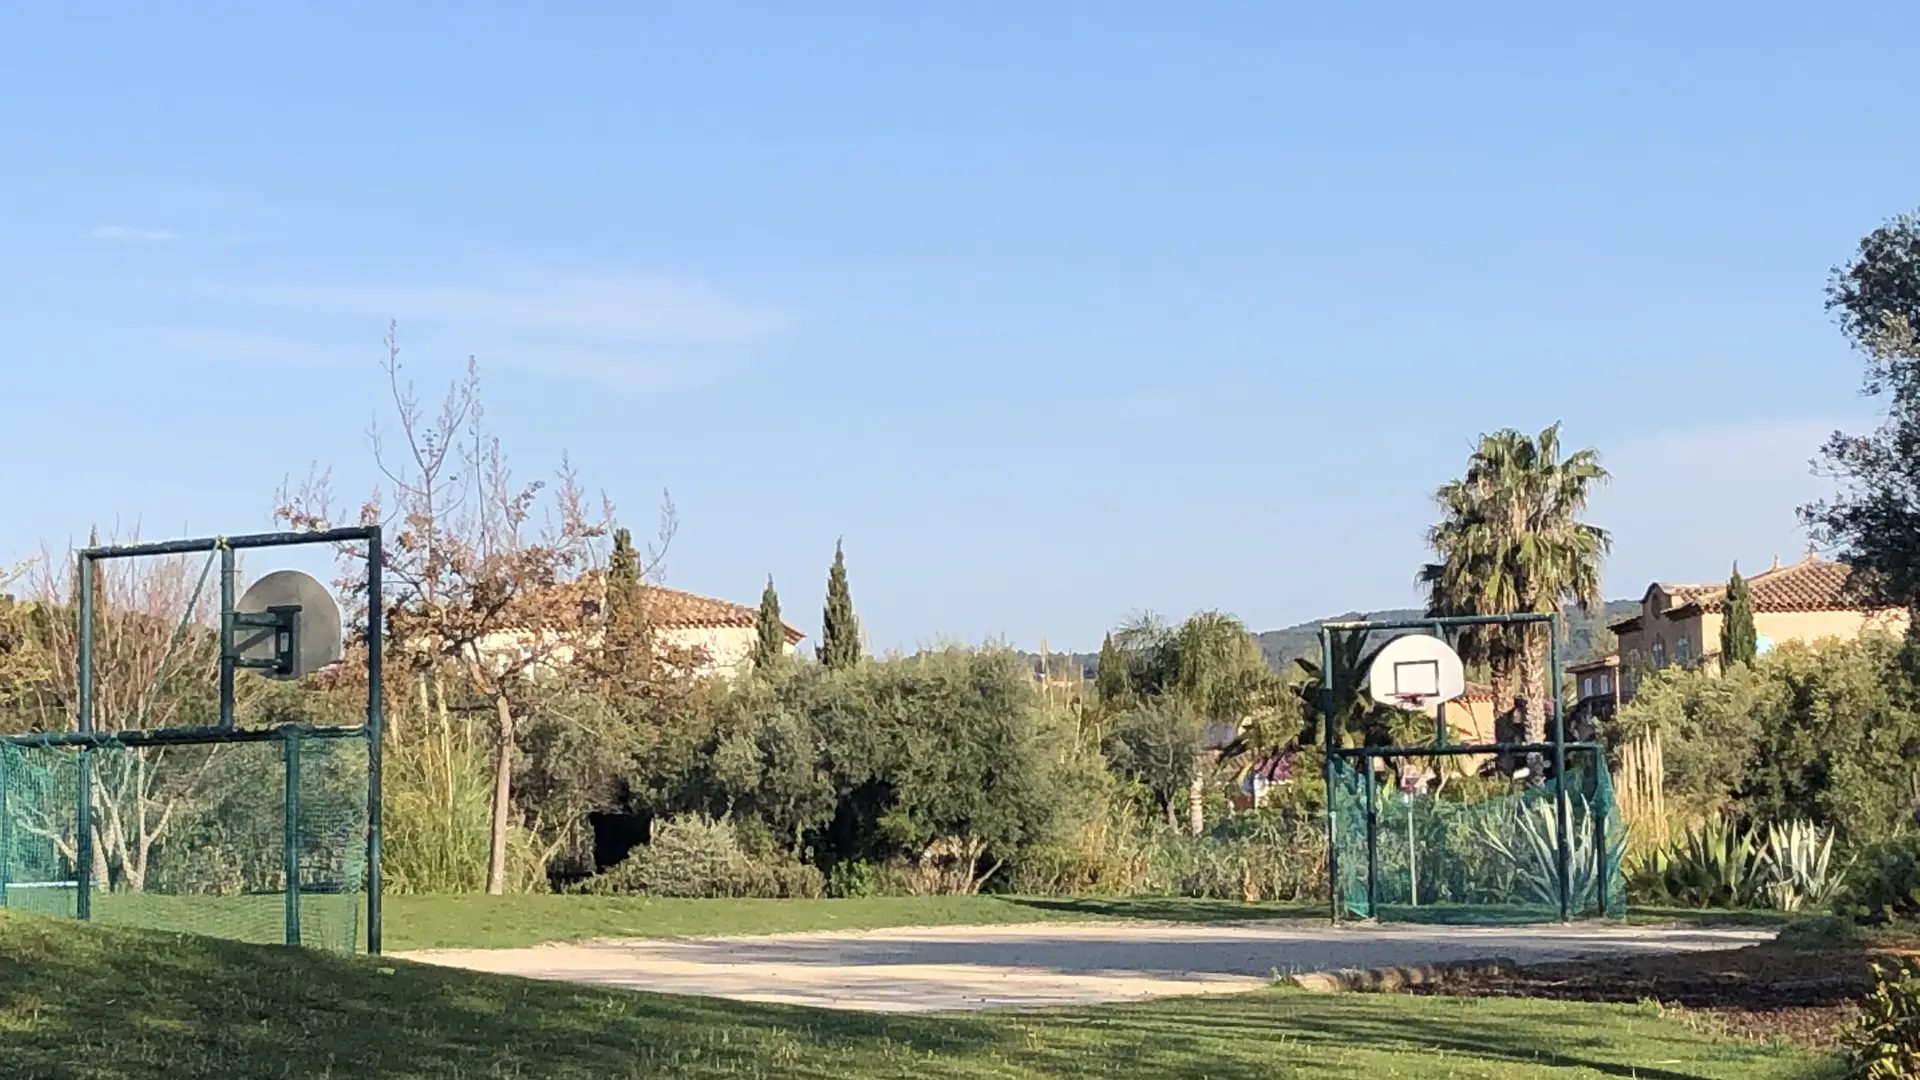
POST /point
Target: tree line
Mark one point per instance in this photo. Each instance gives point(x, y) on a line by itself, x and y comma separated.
point(950, 765)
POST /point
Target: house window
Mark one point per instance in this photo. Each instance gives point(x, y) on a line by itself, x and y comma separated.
point(1586, 686)
point(1606, 684)
point(1683, 652)
point(1659, 653)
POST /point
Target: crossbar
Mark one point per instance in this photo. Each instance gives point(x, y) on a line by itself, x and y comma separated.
point(181, 736)
point(1453, 749)
point(1437, 620)
point(250, 540)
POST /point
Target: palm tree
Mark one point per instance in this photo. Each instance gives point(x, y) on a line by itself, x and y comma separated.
point(1510, 540)
point(1353, 656)
point(1212, 669)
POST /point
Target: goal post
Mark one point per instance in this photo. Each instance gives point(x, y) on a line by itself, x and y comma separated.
point(1543, 842)
point(264, 827)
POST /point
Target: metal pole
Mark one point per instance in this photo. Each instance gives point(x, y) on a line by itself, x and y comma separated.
point(226, 636)
point(1373, 840)
point(83, 783)
point(1562, 799)
point(1327, 742)
point(1413, 858)
point(7, 756)
point(376, 725)
point(290, 830)
point(1603, 880)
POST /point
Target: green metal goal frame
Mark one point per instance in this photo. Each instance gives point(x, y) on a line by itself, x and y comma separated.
point(86, 738)
point(1556, 746)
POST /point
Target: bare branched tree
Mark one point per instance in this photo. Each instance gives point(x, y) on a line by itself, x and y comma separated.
point(496, 581)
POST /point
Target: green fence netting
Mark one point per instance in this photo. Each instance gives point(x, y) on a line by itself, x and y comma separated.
point(1492, 859)
point(193, 838)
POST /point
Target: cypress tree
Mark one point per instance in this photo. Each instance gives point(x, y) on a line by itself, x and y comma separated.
point(1739, 642)
point(840, 629)
point(623, 578)
point(628, 650)
point(770, 634)
point(1110, 682)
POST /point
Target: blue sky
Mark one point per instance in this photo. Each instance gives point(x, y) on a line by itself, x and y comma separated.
point(1054, 311)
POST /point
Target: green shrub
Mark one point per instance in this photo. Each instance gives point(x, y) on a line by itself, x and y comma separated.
point(1885, 1043)
point(853, 878)
point(1883, 884)
point(1250, 856)
point(1825, 732)
point(696, 857)
point(1108, 854)
point(1061, 870)
point(1819, 932)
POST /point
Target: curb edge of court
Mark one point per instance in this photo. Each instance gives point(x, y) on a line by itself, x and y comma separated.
point(1389, 979)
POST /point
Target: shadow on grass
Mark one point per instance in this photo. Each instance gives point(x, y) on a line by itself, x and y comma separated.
point(1170, 908)
point(79, 1001)
point(1307, 1032)
point(108, 1004)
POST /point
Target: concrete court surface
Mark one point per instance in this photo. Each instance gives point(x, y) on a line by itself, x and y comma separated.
point(951, 968)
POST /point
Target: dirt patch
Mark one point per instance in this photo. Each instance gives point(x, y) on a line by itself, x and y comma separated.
point(952, 968)
point(1777, 990)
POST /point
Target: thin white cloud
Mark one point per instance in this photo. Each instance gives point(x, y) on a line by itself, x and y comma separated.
point(133, 234)
point(618, 307)
point(622, 370)
point(1685, 504)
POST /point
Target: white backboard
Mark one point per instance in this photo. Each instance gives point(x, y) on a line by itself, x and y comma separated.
point(1416, 664)
point(317, 639)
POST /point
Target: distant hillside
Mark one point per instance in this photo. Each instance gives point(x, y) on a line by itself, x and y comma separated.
point(1281, 647)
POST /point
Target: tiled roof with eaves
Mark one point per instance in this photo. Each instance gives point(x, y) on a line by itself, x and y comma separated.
point(672, 609)
point(676, 610)
point(1812, 584)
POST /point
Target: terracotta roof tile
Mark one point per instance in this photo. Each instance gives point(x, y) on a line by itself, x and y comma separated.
point(678, 610)
point(1812, 584)
point(1682, 595)
point(1476, 692)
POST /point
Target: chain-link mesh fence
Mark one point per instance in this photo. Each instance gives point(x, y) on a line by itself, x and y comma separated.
point(193, 838)
point(1493, 859)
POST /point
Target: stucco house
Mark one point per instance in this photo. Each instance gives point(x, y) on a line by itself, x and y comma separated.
point(719, 632)
point(1680, 624)
point(720, 629)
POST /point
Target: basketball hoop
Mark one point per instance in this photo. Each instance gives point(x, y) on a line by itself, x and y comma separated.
point(1410, 672)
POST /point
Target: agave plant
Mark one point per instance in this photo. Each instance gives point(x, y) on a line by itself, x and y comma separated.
point(1797, 866)
point(1528, 841)
point(1715, 864)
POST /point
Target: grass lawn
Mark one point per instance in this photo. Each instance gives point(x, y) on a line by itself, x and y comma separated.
point(98, 1003)
point(499, 922)
point(476, 921)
